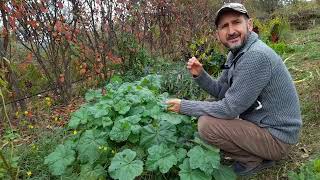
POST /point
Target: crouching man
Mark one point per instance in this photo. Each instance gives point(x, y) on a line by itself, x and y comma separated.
point(256, 116)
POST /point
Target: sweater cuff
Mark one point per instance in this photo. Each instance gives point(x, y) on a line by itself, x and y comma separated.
point(203, 76)
point(186, 108)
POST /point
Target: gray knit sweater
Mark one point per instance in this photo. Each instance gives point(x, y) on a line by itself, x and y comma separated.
point(258, 78)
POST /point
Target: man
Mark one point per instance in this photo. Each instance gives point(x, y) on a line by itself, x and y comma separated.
point(256, 116)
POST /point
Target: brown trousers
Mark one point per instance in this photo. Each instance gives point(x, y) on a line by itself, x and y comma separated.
point(242, 140)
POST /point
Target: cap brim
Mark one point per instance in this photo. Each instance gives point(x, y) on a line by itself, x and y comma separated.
point(228, 9)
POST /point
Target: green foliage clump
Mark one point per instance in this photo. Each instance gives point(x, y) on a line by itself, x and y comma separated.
point(274, 32)
point(309, 171)
point(302, 15)
point(207, 54)
point(31, 80)
point(177, 80)
point(136, 58)
point(28, 158)
point(123, 131)
point(9, 160)
point(281, 48)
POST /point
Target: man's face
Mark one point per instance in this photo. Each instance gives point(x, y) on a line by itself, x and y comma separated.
point(233, 30)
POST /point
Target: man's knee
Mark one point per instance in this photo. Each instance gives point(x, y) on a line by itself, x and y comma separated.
point(202, 123)
point(205, 126)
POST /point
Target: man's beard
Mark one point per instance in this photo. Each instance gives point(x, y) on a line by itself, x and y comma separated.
point(237, 48)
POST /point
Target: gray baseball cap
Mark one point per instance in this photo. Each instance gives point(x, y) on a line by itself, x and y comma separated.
point(230, 7)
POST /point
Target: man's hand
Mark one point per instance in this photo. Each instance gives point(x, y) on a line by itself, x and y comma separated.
point(174, 105)
point(194, 66)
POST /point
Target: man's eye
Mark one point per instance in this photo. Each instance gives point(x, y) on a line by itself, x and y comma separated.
point(223, 26)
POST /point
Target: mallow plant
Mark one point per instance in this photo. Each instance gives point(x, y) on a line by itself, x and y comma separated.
point(124, 131)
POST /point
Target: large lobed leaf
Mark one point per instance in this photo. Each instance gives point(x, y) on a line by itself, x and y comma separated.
point(224, 172)
point(157, 134)
point(89, 172)
point(99, 110)
point(124, 167)
point(188, 173)
point(93, 95)
point(122, 128)
point(89, 144)
point(206, 160)
point(162, 157)
point(60, 159)
point(81, 116)
point(122, 107)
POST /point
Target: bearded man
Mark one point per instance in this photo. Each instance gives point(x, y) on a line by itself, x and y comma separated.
point(256, 116)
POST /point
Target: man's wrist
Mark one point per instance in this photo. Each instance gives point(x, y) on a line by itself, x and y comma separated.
point(197, 75)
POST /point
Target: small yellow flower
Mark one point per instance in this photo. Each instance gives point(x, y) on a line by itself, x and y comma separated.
point(26, 113)
point(105, 148)
point(75, 132)
point(30, 126)
point(48, 99)
point(56, 118)
point(17, 114)
point(29, 173)
point(34, 147)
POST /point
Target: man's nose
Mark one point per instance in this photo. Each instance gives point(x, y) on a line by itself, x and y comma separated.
point(231, 30)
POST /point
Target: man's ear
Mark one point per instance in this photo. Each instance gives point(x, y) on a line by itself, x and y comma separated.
point(250, 24)
point(217, 35)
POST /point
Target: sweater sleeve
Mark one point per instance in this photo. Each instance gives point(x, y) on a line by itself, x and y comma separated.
point(216, 88)
point(251, 75)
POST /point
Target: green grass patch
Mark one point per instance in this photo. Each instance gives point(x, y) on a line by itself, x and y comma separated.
point(31, 155)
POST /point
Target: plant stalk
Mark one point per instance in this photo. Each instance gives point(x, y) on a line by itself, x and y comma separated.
point(5, 110)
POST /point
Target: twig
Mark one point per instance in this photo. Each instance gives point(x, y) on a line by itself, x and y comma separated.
point(304, 79)
point(4, 108)
point(288, 58)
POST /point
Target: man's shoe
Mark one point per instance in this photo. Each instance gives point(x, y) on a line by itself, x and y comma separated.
point(241, 170)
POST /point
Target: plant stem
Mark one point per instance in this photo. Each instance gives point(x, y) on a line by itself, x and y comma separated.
point(4, 108)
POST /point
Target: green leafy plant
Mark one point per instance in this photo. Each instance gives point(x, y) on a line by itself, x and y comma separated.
point(309, 171)
point(177, 80)
point(124, 132)
point(136, 59)
point(274, 30)
point(9, 168)
point(281, 48)
point(8, 162)
point(207, 55)
point(275, 33)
